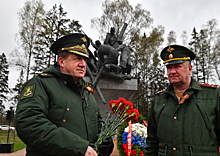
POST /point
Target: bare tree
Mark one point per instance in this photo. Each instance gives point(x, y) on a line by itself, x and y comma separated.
point(184, 38)
point(30, 20)
point(216, 59)
point(171, 38)
point(118, 12)
point(212, 31)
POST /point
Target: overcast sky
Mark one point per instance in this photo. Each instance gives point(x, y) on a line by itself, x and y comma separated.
point(176, 15)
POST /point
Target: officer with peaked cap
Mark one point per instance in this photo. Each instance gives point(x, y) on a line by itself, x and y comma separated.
point(176, 54)
point(185, 117)
point(57, 113)
point(74, 43)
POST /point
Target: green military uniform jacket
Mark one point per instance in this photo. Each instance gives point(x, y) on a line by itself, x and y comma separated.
point(55, 116)
point(188, 129)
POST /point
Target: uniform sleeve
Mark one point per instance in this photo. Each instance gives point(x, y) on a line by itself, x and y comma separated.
point(152, 141)
point(39, 133)
point(100, 122)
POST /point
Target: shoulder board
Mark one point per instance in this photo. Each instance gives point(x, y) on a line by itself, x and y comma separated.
point(160, 91)
point(45, 75)
point(209, 85)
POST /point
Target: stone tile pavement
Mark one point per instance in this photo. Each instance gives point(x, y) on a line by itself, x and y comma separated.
point(23, 152)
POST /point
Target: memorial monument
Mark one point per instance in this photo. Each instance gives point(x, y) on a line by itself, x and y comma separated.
point(109, 69)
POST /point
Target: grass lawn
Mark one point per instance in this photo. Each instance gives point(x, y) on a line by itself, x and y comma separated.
point(12, 138)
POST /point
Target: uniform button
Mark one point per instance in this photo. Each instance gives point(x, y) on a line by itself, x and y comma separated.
point(68, 109)
point(64, 120)
point(174, 148)
point(174, 117)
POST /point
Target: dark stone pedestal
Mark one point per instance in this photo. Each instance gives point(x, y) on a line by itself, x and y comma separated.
point(6, 147)
point(112, 89)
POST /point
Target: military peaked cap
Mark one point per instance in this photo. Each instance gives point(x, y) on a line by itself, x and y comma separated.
point(176, 54)
point(73, 43)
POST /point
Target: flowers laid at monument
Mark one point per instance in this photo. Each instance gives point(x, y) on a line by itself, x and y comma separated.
point(131, 138)
point(121, 111)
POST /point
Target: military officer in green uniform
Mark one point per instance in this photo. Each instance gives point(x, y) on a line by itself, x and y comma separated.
point(184, 118)
point(57, 114)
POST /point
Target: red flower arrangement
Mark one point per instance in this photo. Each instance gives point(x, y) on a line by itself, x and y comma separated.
point(133, 151)
point(121, 111)
point(131, 137)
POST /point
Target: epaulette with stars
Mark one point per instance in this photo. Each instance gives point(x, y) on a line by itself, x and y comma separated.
point(160, 91)
point(45, 75)
point(209, 85)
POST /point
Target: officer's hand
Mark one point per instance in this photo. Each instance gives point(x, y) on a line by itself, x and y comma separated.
point(90, 152)
point(106, 147)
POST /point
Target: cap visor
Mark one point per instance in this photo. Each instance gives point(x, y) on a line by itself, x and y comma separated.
point(175, 62)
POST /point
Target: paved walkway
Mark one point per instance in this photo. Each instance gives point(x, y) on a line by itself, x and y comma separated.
point(23, 152)
point(17, 153)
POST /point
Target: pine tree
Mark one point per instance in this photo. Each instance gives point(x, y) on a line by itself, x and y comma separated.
point(4, 88)
point(55, 25)
point(205, 45)
point(203, 57)
point(194, 46)
point(17, 89)
point(150, 71)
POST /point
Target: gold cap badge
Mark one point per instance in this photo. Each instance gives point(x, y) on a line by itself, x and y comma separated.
point(169, 49)
point(170, 56)
point(83, 39)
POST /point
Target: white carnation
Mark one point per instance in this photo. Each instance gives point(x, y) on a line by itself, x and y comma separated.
point(138, 129)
